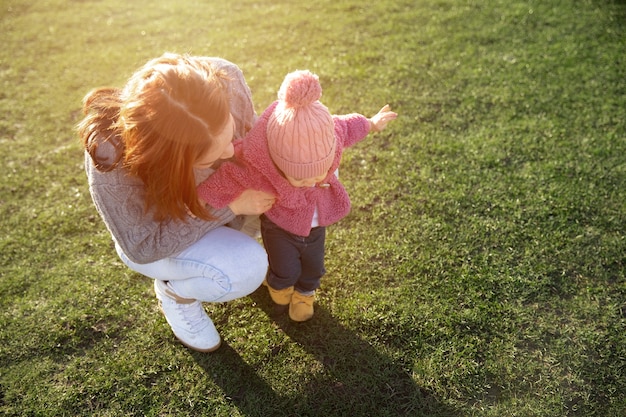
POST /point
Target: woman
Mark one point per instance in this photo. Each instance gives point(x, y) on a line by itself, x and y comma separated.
point(147, 146)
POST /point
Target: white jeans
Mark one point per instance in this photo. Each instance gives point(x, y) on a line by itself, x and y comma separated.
point(223, 265)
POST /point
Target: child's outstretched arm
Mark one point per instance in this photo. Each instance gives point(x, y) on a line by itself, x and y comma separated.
point(379, 121)
point(352, 128)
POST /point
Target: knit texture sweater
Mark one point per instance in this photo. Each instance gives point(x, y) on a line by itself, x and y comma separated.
point(294, 208)
point(119, 197)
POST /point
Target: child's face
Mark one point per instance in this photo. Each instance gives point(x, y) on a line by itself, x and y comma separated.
point(305, 182)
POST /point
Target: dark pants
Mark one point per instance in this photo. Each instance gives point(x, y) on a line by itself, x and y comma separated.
point(294, 260)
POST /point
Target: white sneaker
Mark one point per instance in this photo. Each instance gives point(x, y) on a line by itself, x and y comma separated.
point(187, 318)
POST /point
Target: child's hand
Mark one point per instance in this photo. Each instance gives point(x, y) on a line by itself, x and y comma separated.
point(379, 121)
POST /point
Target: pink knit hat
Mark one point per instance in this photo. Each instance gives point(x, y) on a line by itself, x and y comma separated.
point(300, 131)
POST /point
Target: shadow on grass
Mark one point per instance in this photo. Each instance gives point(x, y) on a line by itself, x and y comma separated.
point(240, 382)
point(356, 379)
point(619, 7)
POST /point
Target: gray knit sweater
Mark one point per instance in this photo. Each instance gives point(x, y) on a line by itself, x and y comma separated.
point(119, 198)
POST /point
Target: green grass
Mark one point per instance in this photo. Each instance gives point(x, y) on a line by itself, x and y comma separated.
point(480, 273)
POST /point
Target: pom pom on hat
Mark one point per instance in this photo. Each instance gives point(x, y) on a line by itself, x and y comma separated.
point(300, 131)
point(299, 89)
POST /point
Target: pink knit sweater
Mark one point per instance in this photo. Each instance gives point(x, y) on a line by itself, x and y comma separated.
point(253, 168)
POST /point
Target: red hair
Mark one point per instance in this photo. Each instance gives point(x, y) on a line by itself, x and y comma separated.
point(166, 117)
point(101, 108)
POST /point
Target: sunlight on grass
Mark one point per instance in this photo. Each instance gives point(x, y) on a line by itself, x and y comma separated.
point(480, 272)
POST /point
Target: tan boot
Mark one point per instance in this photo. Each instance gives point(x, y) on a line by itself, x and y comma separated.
point(301, 306)
point(280, 297)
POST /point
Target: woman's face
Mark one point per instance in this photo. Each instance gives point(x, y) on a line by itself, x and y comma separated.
point(222, 147)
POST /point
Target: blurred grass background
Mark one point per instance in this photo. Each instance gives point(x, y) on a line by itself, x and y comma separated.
point(480, 273)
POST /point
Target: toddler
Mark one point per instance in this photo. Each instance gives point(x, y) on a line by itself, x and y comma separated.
point(293, 152)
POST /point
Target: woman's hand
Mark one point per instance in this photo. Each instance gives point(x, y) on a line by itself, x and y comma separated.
point(252, 202)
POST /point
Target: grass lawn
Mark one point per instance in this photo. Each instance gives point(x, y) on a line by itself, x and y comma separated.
point(481, 271)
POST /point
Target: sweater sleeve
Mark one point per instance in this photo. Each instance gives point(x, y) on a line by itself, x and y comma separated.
point(352, 128)
point(224, 185)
